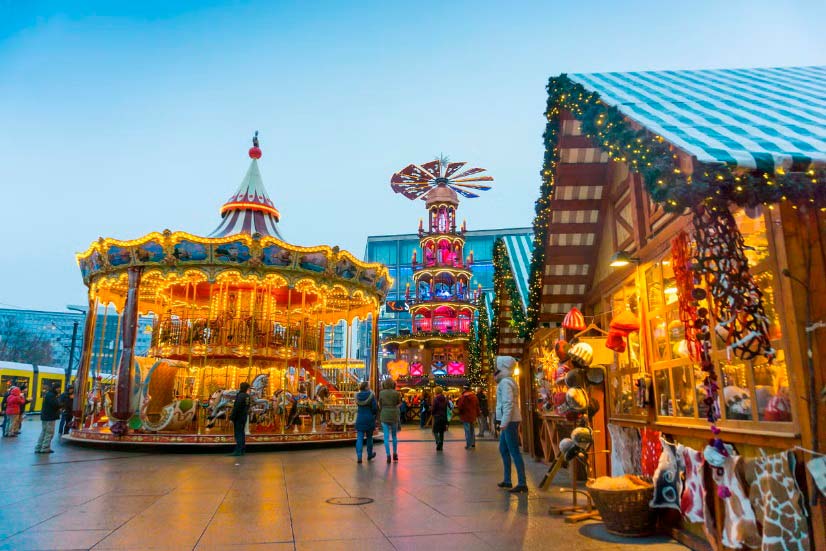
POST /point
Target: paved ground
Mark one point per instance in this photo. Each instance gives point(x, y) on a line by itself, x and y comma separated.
point(88, 499)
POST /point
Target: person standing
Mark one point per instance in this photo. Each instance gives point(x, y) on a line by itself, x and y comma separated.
point(66, 399)
point(18, 421)
point(509, 417)
point(238, 416)
point(424, 410)
point(439, 412)
point(49, 413)
point(3, 410)
point(365, 420)
point(484, 411)
point(389, 400)
point(468, 407)
point(14, 406)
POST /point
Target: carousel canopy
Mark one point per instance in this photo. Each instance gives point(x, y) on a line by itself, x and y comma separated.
point(520, 251)
point(250, 210)
point(749, 118)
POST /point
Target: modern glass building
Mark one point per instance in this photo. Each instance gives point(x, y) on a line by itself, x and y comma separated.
point(45, 338)
point(396, 251)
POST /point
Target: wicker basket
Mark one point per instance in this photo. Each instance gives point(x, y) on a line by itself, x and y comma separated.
point(625, 512)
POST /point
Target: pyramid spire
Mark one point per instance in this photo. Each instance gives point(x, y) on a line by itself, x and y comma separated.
point(249, 210)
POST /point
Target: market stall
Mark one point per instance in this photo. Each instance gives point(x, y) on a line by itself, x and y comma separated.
point(683, 214)
point(238, 305)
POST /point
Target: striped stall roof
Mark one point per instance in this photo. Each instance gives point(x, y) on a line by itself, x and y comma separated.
point(751, 118)
point(520, 252)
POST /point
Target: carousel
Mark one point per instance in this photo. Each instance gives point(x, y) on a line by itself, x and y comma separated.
point(238, 305)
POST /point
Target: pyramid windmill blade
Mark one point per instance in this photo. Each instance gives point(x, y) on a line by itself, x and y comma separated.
point(472, 186)
point(434, 168)
point(462, 192)
point(453, 168)
point(471, 172)
point(415, 173)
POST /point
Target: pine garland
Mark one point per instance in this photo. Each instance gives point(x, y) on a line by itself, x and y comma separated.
point(503, 276)
point(479, 338)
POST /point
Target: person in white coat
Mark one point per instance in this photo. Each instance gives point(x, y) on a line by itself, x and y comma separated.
point(509, 417)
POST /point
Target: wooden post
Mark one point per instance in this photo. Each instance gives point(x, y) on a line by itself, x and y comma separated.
point(129, 325)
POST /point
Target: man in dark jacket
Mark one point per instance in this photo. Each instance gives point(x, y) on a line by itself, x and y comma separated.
point(240, 410)
point(482, 398)
point(49, 413)
point(66, 399)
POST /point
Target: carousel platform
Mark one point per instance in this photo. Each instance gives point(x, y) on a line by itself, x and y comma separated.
point(103, 438)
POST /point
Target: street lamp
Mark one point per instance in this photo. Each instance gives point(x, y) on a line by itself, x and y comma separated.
point(622, 258)
point(68, 376)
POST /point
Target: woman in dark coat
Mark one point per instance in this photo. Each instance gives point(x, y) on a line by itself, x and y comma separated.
point(365, 420)
point(439, 412)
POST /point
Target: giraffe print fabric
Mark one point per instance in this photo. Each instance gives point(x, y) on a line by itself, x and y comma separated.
point(778, 504)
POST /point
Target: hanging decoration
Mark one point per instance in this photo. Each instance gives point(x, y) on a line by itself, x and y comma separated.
point(738, 301)
point(681, 263)
point(574, 320)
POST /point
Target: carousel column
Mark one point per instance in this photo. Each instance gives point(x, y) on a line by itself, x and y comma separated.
point(129, 331)
point(374, 351)
point(85, 360)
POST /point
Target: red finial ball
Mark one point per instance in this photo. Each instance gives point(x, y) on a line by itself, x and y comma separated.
point(255, 153)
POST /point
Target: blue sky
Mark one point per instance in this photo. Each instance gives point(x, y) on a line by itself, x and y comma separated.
point(120, 118)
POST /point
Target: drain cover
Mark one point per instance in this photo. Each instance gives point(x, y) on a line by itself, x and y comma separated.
point(349, 500)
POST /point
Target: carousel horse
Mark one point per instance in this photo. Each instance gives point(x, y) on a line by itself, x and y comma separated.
point(221, 401)
point(94, 403)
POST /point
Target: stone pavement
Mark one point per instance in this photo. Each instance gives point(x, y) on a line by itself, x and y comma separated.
point(80, 498)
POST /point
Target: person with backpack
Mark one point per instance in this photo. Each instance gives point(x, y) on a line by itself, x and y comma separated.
point(365, 420)
point(49, 413)
point(238, 416)
point(389, 400)
point(439, 413)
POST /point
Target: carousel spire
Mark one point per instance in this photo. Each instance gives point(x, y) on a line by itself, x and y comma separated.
point(250, 210)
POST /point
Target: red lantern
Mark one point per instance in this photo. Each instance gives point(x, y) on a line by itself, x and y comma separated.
point(255, 152)
point(574, 320)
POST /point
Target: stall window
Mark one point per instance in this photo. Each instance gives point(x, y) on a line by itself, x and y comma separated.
point(628, 365)
point(751, 391)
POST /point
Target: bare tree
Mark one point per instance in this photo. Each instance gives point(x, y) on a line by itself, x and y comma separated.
point(20, 344)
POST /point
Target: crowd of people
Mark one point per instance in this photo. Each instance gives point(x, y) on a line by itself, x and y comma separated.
point(55, 407)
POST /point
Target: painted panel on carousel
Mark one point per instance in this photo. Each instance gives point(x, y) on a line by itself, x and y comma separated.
point(190, 251)
point(90, 264)
point(151, 251)
point(345, 269)
point(455, 368)
point(368, 276)
point(235, 251)
point(119, 256)
point(381, 284)
point(315, 262)
point(277, 256)
point(416, 369)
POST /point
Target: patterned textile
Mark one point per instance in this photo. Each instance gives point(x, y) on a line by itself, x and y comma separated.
point(778, 504)
point(651, 450)
point(692, 503)
point(740, 524)
point(625, 450)
point(751, 118)
point(668, 485)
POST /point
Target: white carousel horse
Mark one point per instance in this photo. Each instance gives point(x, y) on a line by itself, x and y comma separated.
point(221, 401)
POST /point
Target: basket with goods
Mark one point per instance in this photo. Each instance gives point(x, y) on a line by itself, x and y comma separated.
point(622, 502)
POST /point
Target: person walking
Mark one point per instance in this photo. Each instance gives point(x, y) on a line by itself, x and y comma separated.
point(389, 400)
point(66, 400)
point(238, 416)
point(439, 412)
point(509, 417)
point(3, 410)
point(365, 420)
point(49, 413)
point(468, 407)
point(424, 409)
point(484, 411)
point(14, 407)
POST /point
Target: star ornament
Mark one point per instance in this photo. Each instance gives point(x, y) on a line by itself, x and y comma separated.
point(415, 181)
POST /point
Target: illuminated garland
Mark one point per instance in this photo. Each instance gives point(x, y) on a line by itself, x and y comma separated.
point(479, 346)
point(503, 276)
point(654, 159)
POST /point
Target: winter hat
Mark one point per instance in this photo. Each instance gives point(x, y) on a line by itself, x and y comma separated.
point(582, 437)
point(561, 349)
point(574, 320)
point(504, 366)
point(615, 341)
point(575, 378)
point(582, 353)
point(576, 399)
point(559, 375)
point(596, 374)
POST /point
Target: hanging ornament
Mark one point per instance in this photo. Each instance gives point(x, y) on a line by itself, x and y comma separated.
point(686, 292)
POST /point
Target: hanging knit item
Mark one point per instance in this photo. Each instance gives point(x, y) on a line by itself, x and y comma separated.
point(694, 495)
point(651, 450)
point(574, 320)
point(668, 485)
point(625, 450)
point(740, 524)
point(681, 262)
point(738, 301)
point(778, 504)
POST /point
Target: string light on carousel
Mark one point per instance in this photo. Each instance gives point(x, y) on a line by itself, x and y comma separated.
point(442, 302)
point(239, 305)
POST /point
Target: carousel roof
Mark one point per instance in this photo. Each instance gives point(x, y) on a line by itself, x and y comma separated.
point(750, 118)
point(250, 209)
